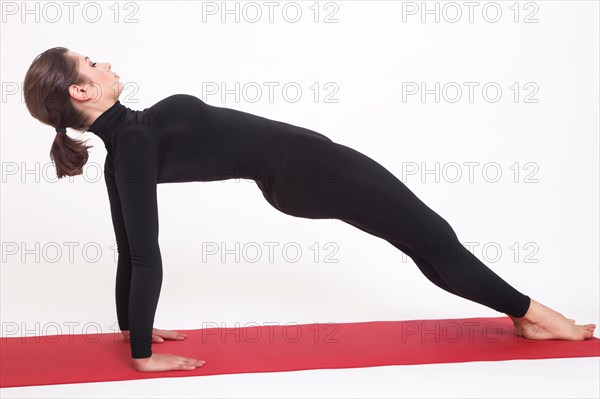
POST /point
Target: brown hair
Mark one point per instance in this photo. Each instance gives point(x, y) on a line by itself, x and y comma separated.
point(46, 92)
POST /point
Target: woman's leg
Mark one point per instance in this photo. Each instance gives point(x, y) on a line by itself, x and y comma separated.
point(335, 181)
point(425, 267)
point(462, 274)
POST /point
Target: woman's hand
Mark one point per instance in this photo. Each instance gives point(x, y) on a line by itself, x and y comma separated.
point(159, 335)
point(166, 362)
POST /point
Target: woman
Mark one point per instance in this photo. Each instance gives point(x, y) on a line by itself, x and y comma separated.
point(300, 172)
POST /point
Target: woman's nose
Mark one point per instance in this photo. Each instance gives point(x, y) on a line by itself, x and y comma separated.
point(109, 65)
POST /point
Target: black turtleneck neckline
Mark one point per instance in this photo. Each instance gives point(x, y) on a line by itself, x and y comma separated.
point(109, 120)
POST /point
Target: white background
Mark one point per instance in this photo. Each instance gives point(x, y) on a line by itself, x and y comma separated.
point(544, 219)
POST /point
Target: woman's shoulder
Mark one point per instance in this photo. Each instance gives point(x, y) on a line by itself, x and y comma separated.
point(144, 128)
point(174, 106)
point(179, 98)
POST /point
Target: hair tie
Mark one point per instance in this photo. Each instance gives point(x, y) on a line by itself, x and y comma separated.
point(61, 130)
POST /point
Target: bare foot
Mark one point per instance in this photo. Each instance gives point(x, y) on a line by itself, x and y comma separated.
point(541, 322)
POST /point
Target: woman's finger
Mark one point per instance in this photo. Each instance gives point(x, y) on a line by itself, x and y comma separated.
point(156, 338)
point(168, 334)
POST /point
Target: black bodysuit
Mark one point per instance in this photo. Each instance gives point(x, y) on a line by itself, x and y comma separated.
point(300, 172)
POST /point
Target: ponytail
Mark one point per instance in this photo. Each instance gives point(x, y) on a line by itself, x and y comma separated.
point(69, 155)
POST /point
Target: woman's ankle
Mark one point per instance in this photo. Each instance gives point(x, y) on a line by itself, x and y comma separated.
point(528, 314)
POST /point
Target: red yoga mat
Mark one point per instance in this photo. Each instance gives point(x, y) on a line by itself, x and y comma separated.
point(63, 359)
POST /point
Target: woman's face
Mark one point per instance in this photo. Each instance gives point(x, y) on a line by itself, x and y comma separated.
point(103, 84)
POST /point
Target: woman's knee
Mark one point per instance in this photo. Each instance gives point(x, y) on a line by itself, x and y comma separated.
point(446, 230)
point(433, 238)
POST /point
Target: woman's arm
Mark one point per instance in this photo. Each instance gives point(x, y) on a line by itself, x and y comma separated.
point(135, 177)
point(124, 265)
point(131, 178)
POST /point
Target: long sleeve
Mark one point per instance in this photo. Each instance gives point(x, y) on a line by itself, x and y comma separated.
point(135, 172)
point(124, 265)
